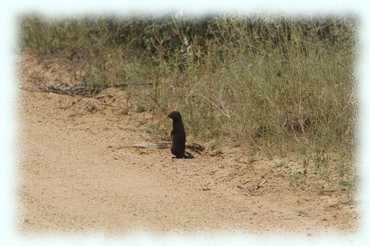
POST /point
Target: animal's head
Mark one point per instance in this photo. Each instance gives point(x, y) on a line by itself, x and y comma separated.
point(175, 116)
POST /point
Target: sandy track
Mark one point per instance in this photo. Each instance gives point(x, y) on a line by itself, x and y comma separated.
point(77, 176)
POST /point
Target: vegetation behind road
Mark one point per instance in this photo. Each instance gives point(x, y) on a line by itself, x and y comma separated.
point(278, 85)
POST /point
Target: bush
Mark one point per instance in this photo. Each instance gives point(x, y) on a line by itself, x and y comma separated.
point(281, 84)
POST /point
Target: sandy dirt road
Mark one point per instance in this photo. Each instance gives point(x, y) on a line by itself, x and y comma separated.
point(77, 175)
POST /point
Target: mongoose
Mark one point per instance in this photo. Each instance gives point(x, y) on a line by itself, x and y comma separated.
point(178, 136)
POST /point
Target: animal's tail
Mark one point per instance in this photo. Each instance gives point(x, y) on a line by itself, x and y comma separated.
point(188, 155)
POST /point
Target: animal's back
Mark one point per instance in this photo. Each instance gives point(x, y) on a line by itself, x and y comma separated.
point(178, 143)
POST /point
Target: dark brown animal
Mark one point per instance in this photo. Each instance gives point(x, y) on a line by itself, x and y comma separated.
point(178, 136)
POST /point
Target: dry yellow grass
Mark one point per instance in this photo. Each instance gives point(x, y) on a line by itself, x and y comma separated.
point(278, 86)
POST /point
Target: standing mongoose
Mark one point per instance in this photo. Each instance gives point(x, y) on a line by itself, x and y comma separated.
point(178, 136)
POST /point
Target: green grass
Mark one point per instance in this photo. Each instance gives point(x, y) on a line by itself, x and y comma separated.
point(249, 80)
